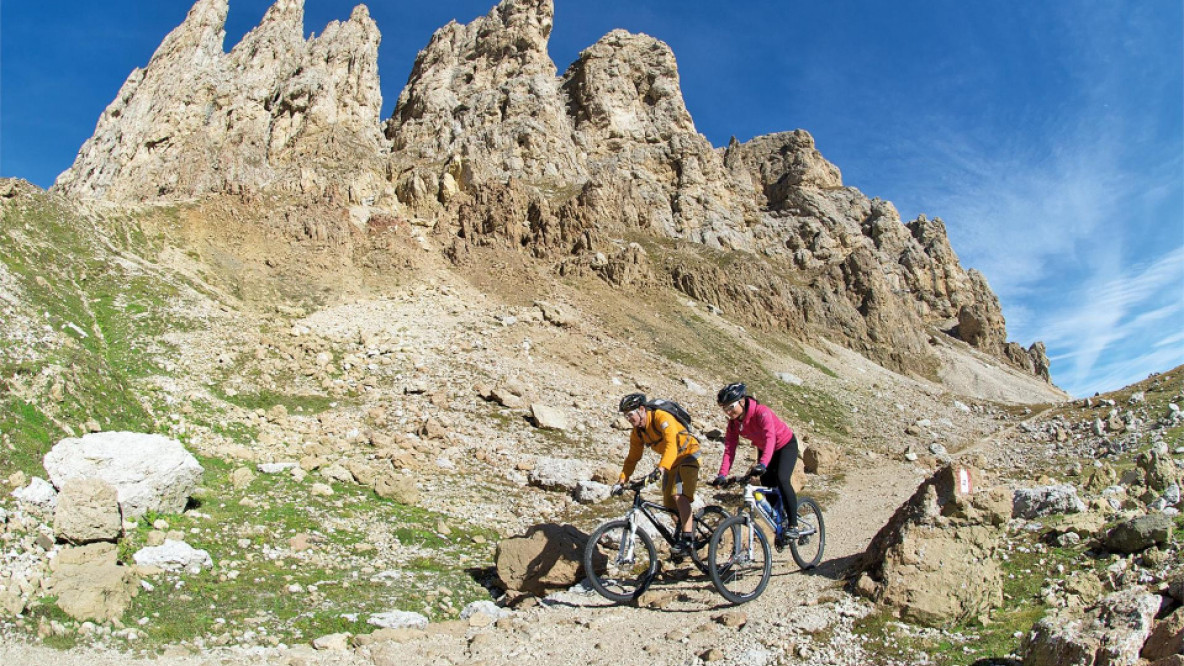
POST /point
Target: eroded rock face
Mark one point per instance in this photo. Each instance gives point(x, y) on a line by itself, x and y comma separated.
point(629, 116)
point(489, 148)
point(484, 98)
point(277, 111)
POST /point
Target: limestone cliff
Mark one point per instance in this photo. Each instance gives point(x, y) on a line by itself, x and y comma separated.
point(490, 147)
point(276, 112)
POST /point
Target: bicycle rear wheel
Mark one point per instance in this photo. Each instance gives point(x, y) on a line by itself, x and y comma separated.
point(738, 560)
point(706, 521)
point(807, 549)
point(620, 565)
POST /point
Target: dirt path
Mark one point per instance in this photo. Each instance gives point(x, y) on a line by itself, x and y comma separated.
point(573, 628)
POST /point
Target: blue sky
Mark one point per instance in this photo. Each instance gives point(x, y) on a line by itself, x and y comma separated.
point(1048, 135)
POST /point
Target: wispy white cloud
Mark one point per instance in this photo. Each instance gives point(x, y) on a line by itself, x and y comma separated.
point(1057, 233)
point(1172, 340)
point(1118, 331)
point(1077, 221)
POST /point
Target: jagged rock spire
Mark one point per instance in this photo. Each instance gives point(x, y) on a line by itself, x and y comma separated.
point(197, 42)
point(491, 146)
point(197, 120)
point(486, 94)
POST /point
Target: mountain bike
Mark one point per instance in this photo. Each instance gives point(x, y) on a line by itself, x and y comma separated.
point(621, 560)
point(738, 557)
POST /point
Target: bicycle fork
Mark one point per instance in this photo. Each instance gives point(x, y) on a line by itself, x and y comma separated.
point(625, 552)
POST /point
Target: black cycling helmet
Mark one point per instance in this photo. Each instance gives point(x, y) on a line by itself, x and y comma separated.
point(631, 402)
point(731, 393)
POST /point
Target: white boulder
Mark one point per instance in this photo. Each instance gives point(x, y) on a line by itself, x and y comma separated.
point(150, 472)
point(39, 496)
point(398, 619)
point(174, 556)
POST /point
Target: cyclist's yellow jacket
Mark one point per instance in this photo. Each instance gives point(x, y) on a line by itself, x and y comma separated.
point(665, 435)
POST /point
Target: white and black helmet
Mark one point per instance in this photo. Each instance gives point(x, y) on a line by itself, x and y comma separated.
point(731, 393)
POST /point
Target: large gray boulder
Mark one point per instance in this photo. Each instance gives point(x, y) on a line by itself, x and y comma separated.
point(87, 511)
point(562, 474)
point(1139, 533)
point(149, 472)
point(1111, 632)
point(1032, 503)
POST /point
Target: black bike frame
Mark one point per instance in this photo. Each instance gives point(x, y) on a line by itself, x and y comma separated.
point(644, 507)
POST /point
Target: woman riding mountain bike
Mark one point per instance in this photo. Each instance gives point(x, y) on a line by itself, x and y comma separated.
point(776, 445)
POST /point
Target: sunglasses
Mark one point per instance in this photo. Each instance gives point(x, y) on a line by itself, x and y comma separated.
point(730, 406)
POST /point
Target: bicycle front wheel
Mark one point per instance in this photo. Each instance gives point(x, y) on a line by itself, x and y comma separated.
point(620, 565)
point(739, 560)
point(706, 521)
point(807, 548)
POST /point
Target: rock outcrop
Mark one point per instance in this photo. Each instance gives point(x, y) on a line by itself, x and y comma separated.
point(489, 147)
point(1111, 632)
point(89, 582)
point(546, 558)
point(933, 561)
point(87, 511)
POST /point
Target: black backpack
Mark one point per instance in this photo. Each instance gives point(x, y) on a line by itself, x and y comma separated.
point(672, 408)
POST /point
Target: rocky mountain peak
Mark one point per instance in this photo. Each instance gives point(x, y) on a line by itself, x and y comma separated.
point(198, 40)
point(488, 146)
point(775, 164)
point(485, 94)
point(276, 112)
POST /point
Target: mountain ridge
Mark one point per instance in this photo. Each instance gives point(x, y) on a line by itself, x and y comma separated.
point(487, 145)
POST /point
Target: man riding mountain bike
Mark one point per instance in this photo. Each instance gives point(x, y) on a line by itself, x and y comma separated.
point(678, 466)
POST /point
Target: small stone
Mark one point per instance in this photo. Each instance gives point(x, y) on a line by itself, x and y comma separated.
point(333, 642)
point(733, 619)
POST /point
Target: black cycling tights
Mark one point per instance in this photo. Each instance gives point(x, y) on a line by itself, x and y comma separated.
point(778, 474)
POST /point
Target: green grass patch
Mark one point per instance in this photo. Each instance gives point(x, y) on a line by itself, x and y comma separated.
point(1030, 570)
point(266, 399)
point(367, 555)
point(109, 315)
point(30, 435)
point(45, 610)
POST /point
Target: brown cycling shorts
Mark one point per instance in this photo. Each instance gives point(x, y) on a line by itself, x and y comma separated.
point(682, 479)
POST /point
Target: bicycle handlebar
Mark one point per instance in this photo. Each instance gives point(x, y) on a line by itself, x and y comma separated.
point(636, 486)
point(733, 480)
